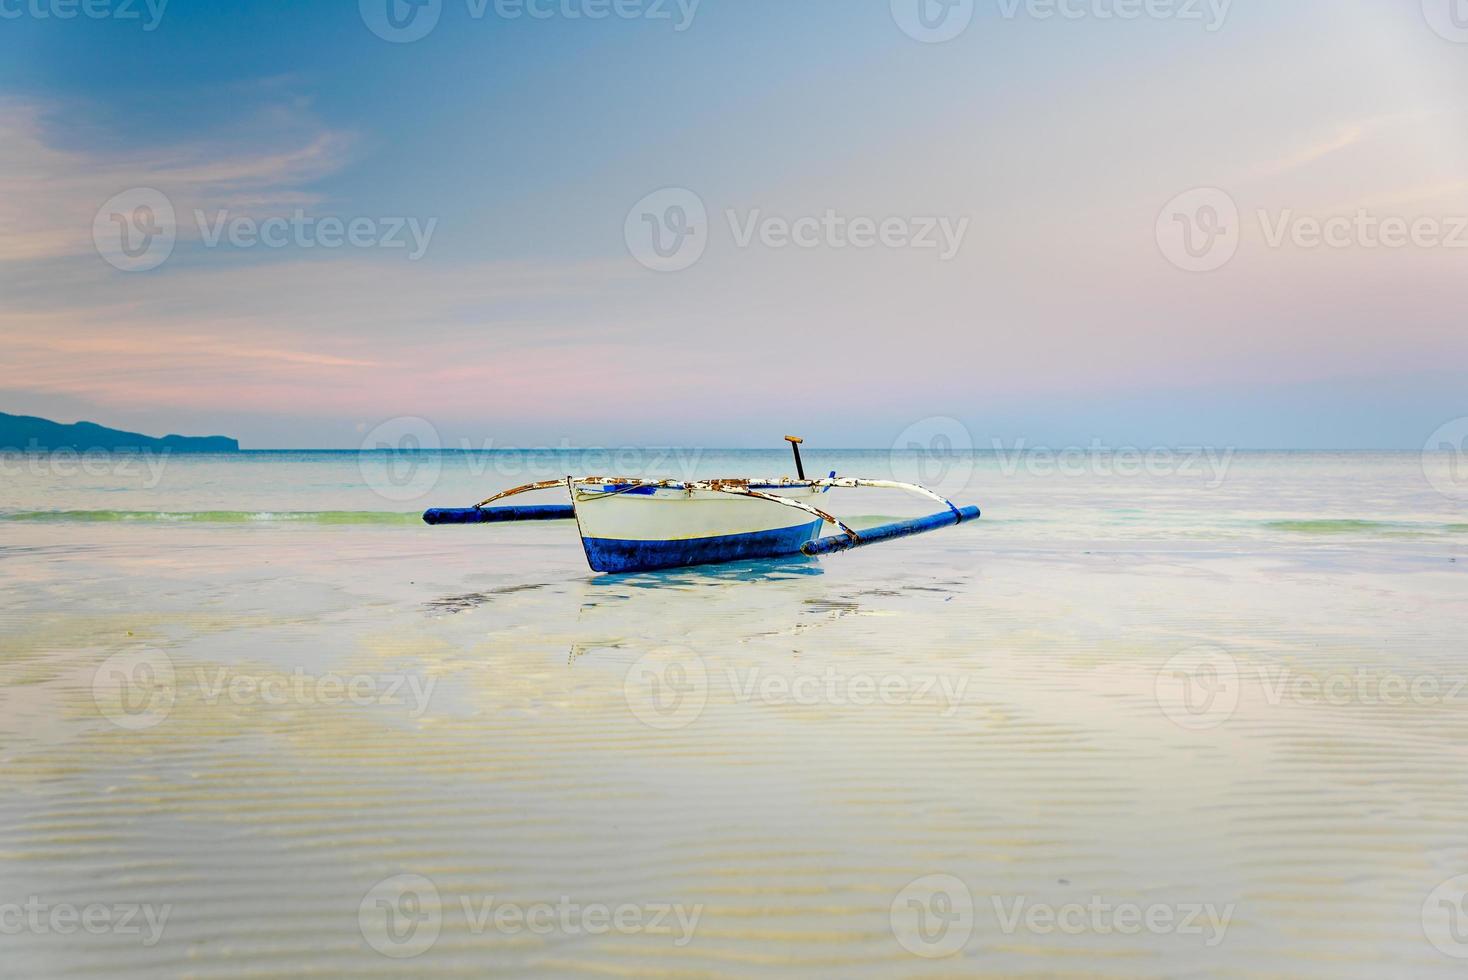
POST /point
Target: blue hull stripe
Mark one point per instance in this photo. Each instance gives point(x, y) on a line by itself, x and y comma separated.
point(611, 555)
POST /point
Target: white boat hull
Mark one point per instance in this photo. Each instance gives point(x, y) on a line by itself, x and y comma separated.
point(645, 527)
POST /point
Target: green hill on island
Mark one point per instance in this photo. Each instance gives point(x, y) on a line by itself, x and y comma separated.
point(29, 434)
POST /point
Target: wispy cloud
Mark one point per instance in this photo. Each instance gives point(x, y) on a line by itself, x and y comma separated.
point(332, 336)
point(49, 196)
point(1344, 137)
point(318, 332)
point(155, 347)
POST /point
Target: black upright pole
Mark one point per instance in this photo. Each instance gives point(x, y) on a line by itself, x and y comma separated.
point(795, 442)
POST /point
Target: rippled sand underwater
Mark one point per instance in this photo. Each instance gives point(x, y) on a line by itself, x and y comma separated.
point(1120, 727)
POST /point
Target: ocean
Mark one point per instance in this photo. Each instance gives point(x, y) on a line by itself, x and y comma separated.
point(1156, 714)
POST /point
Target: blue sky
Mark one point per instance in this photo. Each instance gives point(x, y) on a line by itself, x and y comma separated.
point(1064, 313)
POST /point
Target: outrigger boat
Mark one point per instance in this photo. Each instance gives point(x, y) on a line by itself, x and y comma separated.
point(637, 525)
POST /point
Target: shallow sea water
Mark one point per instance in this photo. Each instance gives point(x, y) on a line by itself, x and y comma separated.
point(1181, 724)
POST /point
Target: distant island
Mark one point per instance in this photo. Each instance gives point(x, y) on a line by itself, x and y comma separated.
point(29, 434)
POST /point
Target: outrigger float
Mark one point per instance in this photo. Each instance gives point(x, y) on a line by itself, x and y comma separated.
point(637, 525)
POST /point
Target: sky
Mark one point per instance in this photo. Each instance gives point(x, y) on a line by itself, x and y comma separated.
point(655, 222)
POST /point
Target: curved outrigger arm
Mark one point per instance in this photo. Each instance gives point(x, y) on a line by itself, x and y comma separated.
point(564, 481)
point(853, 484)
